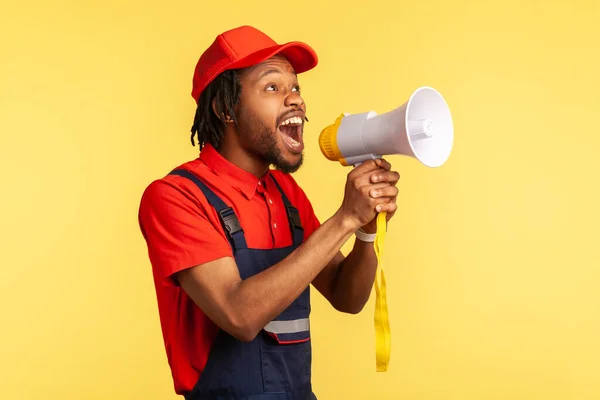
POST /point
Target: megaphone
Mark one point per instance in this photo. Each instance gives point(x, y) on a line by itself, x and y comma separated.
point(421, 128)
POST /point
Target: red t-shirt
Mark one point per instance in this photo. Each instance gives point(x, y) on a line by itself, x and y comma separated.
point(182, 230)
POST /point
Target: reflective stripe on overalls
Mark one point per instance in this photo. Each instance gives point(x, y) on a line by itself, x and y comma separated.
point(276, 365)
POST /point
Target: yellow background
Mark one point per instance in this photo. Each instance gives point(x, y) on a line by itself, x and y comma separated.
point(493, 274)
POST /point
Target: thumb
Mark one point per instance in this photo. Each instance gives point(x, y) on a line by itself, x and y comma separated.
point(365, 167)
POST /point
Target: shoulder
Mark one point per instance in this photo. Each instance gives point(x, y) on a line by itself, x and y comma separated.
point(295, 193)
point(300, 200)
point(171, 192)
point(179, 227)
point(290, 186)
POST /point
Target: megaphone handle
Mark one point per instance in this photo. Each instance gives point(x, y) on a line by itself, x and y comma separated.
point(362, 159)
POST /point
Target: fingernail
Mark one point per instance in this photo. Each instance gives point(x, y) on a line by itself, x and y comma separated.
point(378, 208)
point(375, 178)
point(374, 193)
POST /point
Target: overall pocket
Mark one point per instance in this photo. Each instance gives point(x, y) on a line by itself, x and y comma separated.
point(285, 367)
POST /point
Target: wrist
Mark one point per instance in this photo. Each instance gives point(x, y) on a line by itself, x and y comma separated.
point(364, 236)
point(371, 227)
point(347, 224)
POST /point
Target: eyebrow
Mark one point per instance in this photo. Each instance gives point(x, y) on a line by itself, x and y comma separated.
point(272, 71)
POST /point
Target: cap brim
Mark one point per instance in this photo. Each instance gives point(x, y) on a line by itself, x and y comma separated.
point(300, 55)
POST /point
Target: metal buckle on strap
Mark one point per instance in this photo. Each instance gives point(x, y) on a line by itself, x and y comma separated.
point(232, 224)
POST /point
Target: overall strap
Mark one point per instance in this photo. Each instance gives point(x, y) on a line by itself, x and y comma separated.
point(229, 220)
point(293, 216)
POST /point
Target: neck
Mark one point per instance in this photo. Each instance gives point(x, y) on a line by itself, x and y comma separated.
point(236, 155)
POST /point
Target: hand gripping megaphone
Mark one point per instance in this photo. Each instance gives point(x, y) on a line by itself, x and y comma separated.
point(421, 128)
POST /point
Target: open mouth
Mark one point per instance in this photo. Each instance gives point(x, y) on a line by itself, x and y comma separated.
point(291, 132)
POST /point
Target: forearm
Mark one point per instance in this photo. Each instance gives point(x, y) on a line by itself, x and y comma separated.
point(355, 277)
point(260, 298)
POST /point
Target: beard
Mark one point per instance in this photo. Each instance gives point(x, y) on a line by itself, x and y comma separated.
point(266, 147)
point(263, 144)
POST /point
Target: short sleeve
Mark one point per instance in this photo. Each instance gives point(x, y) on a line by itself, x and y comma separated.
point(177, 230)
point(311, 221)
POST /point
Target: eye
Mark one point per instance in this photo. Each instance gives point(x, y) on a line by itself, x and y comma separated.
point(273, 88)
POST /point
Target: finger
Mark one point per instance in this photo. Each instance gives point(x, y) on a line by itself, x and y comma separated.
point(389, 207)
point(379, 200)
point(386, 191)
point(385, 176)
point(365, 179)
point(364, 168)
point(368, 166)
point(383, 163)
point(366, 188)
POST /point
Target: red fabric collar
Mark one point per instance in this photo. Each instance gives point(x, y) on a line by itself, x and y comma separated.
point(240, 179)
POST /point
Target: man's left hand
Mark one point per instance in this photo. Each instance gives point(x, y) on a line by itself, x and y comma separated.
point(383, 175)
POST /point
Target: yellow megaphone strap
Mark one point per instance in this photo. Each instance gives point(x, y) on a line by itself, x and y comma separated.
point(382, 326)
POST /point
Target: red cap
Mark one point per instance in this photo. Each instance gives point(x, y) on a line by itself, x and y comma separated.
point(245, 46)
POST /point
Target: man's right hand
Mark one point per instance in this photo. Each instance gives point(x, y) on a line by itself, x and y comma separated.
point(359, 205)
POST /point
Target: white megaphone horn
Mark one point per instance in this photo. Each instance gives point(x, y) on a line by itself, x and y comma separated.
point(421, 128)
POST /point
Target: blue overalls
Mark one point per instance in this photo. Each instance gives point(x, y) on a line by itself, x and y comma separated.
point(276, 365)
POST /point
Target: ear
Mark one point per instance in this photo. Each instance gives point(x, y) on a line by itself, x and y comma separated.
point(222, 117)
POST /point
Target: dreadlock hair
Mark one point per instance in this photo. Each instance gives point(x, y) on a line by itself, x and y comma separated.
point(208, 123)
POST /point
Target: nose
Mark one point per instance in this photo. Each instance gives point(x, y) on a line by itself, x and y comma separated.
point(294, 100)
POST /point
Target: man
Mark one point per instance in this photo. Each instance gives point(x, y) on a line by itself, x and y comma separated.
point(235, 245)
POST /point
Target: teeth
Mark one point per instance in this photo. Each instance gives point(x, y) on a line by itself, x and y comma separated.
point(292, 121)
